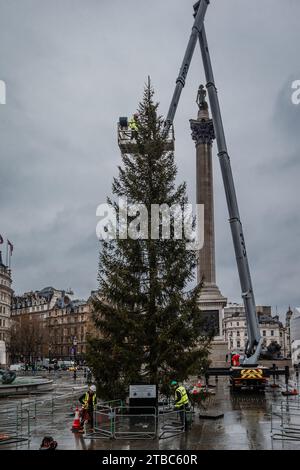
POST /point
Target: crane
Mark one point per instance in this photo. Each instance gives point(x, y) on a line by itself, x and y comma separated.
point(249, 374)
point(254, 343)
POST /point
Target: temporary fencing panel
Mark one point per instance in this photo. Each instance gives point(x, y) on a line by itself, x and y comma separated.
point(285, 421)
point(14, 425)
point(104, 421)
point(171, 423)
point(136, 423)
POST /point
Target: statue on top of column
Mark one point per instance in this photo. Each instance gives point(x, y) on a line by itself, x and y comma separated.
point(201, 95)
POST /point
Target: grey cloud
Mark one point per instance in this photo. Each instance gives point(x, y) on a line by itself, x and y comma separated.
point(72, 67)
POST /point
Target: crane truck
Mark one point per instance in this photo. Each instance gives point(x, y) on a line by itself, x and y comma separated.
point(248, 374)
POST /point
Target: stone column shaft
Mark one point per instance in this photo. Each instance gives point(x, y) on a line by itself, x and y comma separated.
point(203, 135)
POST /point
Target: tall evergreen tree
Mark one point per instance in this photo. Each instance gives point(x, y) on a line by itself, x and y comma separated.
point(148, 321)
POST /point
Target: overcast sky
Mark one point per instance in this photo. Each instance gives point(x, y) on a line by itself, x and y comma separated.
point(72, 67)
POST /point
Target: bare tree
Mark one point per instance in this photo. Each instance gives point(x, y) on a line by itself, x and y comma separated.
point(29, 339)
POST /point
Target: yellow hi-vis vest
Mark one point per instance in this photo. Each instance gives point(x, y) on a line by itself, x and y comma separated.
point(85, 403)
point(132, 124)
point(184, 400)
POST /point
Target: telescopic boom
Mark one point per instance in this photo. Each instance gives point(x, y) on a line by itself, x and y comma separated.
point(180, 81)
point(254, 343)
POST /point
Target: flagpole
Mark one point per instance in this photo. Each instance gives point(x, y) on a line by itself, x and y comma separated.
point(9, 253)
point(9, 258)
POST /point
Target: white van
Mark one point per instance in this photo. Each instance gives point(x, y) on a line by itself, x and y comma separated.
point(17, 367)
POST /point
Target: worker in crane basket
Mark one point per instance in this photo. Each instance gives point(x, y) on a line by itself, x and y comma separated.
point(182, 403)
point(88, 401)
point(133, 126)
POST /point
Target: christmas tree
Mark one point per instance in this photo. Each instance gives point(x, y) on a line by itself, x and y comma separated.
point(146, 313)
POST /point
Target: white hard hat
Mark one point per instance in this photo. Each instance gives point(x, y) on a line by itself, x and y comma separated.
point(93, 388)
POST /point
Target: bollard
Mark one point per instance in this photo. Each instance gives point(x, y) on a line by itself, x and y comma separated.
point(206, 379)
point(111, 415)
point(287, 375)
point(28, 423)
point(18, 422)
point(274, 374)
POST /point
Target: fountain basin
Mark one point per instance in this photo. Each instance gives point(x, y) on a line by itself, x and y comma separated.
point(24, 385)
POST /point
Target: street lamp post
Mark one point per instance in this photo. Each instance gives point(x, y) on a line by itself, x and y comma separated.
point(49, 356)
point(74, 348)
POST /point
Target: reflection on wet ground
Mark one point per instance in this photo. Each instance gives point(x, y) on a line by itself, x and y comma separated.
point(246, 425)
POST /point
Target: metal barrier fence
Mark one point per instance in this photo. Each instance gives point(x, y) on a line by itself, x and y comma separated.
point(104, 419)
point(285, 420)
point(135, 423)
point(14, 425)
point(37, 406)
point(110, 404)
point(103, 423)
point(16, 418)
point(172, 423)
point(123, 422)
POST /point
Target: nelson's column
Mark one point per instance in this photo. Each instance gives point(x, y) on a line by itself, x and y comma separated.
point(211, 300)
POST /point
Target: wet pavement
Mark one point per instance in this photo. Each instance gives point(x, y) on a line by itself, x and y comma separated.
point(246, 424)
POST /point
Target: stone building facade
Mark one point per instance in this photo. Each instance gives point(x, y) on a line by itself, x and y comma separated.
point(67, 321)
point(69, 326)
point(271, 328)
point(37, 304)
point(294, 323)
point(5, 311)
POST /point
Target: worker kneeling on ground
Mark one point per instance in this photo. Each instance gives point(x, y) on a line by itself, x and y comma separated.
point(133, 126)
point(181, 403)
point(88, 401)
